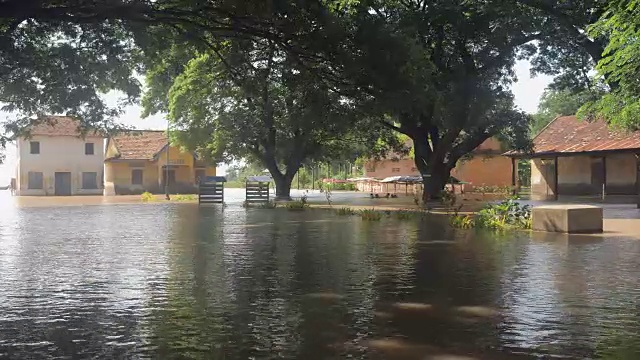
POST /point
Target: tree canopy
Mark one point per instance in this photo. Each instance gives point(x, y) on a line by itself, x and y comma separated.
point(439, 73)
point(61, 57)
point(250, 99)
point(554, 103)
point(620, 65)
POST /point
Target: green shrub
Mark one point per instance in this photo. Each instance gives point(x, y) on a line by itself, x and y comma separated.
point(448, 198)
point(345, 211)
point(336, 186)
point(147, 196)
point(508, 214)
point(235, 184)
point(370, 215)
point(181, 197)
point(492, 189)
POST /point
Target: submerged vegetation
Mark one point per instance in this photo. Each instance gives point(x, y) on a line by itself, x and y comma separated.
point(508, 214)
point(370, 215)
point(345, 211)
point(296, 205)
point(260, 205)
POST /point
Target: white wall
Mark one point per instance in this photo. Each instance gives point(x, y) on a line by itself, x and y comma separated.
point(59, 154)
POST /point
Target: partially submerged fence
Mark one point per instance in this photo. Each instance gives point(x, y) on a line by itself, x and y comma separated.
point(257, 189)
point(211, 190)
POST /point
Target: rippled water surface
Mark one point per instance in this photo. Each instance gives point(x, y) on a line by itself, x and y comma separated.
point(175, 281)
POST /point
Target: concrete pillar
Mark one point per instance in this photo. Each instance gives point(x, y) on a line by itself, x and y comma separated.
point(514, 175)
point(638, 181)
point(555, 181)
point(109, 180)
point(604, 177)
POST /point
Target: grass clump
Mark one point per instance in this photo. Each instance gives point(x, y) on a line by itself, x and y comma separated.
point(296, 205)
point(147, 197)
point(260, 205)
point(370, 215)
point(345, 211)
point(406, 214)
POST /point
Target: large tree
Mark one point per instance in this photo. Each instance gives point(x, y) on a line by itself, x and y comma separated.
point(248, 98)
point(63, 56)
point(439, 71)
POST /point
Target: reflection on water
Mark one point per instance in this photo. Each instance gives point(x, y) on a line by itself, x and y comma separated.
point(177, 281)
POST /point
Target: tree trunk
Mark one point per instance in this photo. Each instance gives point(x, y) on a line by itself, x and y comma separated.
point(434, 183)
point(283, 186)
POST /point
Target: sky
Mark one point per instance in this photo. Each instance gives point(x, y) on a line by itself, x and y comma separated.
point(527, 93)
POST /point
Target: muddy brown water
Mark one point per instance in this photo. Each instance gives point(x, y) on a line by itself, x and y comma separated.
point(174, 281)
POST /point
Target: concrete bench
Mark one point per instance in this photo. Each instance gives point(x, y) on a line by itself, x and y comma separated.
point(571, 219)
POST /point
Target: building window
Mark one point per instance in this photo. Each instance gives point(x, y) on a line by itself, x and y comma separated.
point(88, 148)
point(136, 177)
point(200, 174)
point(34, 147)
point(35, 180)
point(395, 170)
point(89, 180)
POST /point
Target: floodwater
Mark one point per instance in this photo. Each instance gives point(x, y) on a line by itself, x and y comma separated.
point(175, 281)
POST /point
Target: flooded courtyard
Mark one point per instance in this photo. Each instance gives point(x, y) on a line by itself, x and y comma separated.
point(175, 281)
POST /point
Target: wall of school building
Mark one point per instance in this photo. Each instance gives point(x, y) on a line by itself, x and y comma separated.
point(119, 174)
point(63, 157)
point(479, 170)
point(584, 175)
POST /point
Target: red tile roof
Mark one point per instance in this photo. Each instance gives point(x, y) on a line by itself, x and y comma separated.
point(59, 126)
point(139, 144)
point(567, 134)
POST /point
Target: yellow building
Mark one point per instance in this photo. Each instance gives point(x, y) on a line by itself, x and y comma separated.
point(137, 161)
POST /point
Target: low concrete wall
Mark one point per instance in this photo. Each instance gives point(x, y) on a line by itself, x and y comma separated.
point(572, 219)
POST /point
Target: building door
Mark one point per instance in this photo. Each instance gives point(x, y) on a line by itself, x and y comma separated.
point(62, 184)
point(598, 176)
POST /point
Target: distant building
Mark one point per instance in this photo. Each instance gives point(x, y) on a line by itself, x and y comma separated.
point(137, 162)
point(580, 158)
point(57, 160)
point(485, 167)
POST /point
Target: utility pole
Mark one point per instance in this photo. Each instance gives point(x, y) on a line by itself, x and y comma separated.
point(166, 174)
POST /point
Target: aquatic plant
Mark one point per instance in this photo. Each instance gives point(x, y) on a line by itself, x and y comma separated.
point(370, 215)
point(296, 205)
point(462, 221)
point(147, 196)
point(345, 211)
